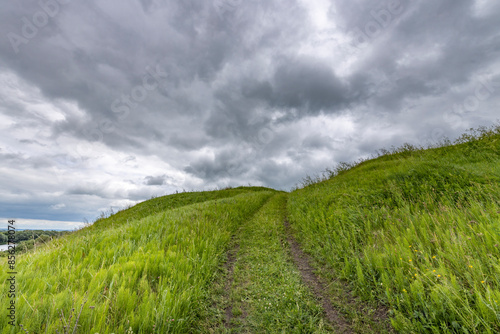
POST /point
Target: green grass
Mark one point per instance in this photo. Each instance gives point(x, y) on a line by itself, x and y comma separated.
point(415, 231)
point(418, 231)
point(147, 274)
point(164, 203)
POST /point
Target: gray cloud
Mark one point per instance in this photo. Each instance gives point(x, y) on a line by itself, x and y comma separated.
point(307, 85)
point(156, 180)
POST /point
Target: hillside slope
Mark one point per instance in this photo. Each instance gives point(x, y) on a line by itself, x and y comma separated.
point(417, 231)
point(143, 269)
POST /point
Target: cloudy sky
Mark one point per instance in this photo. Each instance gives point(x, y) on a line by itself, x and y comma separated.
point(104, 103)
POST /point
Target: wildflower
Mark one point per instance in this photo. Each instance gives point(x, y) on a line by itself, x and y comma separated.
point(434, 257)
point(433, 271)
point(404, 290)
point(482, 281)
point(415, 274)
point(439, 276)
point(409, 260)
point(470, 266)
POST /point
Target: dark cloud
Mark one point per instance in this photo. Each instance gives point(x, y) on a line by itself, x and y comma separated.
point(89, 190)
point(155, 180)
point(226, 164)
point(309, 85)
point(31, 141)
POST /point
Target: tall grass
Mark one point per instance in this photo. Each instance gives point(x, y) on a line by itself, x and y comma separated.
point(148, 275)
point(163, 203)
point(417, 230)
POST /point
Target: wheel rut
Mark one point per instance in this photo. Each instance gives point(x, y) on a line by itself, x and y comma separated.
point(319, 289)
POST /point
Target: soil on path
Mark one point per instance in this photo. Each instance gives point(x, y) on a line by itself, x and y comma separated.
point(303, 263)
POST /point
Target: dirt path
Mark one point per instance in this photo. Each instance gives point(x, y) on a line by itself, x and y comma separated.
point(267, 294)
point(270, 285)
point(302, 261)
point(336, 298)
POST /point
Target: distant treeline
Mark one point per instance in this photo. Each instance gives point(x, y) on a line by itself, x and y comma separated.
point(25, 235)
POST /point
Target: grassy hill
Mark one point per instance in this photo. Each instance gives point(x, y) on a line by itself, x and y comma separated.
point(407, 242)
point(416, 230)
